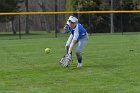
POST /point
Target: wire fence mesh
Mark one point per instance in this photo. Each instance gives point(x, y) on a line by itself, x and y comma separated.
point(50, 24)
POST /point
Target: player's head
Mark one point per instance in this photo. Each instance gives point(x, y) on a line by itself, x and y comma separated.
point(72, 21)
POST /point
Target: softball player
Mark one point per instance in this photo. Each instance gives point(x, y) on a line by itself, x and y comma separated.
point(78, 36)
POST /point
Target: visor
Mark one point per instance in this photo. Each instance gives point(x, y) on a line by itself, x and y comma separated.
point(73, 19)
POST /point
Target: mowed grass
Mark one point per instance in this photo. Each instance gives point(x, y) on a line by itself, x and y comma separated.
point(111, 64)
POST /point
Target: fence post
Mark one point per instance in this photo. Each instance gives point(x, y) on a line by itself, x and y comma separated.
point(19, 27)
point(56, 25)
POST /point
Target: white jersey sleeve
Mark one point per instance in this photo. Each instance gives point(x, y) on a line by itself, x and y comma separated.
point(76, 33)
point(69, 40)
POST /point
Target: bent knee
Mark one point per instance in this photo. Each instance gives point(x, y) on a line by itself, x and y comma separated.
point(66, 46)
point(78, 52)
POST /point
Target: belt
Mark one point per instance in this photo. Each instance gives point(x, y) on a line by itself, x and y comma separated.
point(84, 34)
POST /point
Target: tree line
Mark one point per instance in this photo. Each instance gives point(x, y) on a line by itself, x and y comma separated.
point(93, 22)
point(101, 22)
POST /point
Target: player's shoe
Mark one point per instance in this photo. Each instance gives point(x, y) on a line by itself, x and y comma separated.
point(79, 65)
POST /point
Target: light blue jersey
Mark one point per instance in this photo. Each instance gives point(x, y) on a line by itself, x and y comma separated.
point(78, 33)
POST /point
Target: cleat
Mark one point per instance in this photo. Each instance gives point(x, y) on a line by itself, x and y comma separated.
point(79, 65)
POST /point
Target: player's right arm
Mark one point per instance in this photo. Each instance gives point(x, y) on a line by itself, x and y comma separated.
point(66, 27)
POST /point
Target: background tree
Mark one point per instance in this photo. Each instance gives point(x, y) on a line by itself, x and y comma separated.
point(88, 20)
point(101, 22)
point(8, 6)
point(125, 22)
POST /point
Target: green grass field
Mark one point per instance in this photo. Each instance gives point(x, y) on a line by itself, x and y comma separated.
point(111, 64)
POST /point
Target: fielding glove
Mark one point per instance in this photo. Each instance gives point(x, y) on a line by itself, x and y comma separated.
point(66, 60)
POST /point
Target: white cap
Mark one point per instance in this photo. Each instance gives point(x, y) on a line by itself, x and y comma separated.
point(73, 19)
